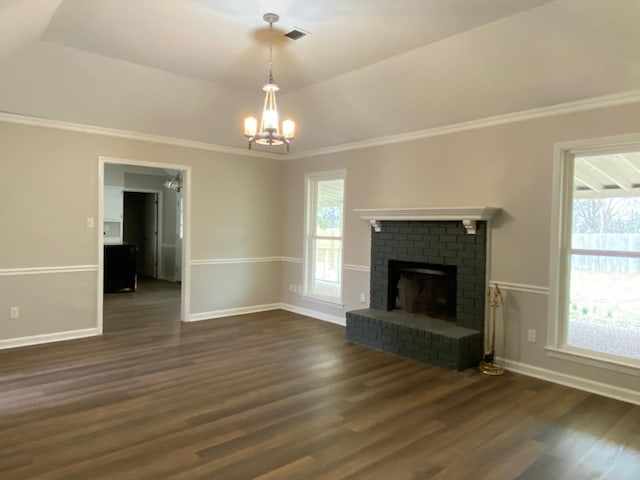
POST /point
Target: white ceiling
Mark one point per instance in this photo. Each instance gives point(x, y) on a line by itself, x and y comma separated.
point(193, 68)
point(222, 41)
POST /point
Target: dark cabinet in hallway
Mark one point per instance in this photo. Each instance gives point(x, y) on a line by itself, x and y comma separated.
point(119, 268)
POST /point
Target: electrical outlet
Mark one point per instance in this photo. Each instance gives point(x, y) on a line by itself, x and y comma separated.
point(531, 335)
point(291, 287)
point(14, 312)
point(90, 222)
point(363, 297)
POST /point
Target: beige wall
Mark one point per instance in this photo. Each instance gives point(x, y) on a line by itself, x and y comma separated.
point(49, 303)
point(230, 286)
point(508, 166)
point(48, 80)
point(51, 188)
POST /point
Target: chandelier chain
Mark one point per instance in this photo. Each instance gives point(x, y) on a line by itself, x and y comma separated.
point(271, 52)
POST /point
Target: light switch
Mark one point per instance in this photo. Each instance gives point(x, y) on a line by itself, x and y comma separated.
point(90, 222)
point(531, 335)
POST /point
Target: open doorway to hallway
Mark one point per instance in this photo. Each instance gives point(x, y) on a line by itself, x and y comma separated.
point(144, 230)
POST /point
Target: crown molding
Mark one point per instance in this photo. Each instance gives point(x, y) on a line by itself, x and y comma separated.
point(594, 103)
point(8, 117)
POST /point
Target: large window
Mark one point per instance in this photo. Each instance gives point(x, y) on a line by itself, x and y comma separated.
point(599, 273)
point(323, 245)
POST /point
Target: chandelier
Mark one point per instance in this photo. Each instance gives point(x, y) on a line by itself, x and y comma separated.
point(270, 133)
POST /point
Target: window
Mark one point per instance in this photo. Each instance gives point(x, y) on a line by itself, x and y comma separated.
point(598, 298)
point(323, 239)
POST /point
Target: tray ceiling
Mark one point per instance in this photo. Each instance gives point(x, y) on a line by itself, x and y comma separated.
point(370, 69)
point(224, 42)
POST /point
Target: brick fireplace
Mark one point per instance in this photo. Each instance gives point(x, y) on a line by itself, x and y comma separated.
point(428, 285)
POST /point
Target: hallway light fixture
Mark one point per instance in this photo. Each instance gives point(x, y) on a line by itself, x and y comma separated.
point(173, 184)
point(269, 133)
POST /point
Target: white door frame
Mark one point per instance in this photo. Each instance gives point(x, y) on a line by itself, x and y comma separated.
point(159, 236)
point(186, 240)
point(178, 240)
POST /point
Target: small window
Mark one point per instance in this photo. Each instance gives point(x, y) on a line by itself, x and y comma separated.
point(599, 297)
point(323, 243)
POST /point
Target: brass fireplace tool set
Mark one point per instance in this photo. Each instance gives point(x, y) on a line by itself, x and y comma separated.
point(488, 365)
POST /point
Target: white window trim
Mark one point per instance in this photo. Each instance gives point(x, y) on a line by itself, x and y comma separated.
point(309, 217)
point(561, 209)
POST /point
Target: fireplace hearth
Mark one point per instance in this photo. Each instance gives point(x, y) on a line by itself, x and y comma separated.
point(428, 284)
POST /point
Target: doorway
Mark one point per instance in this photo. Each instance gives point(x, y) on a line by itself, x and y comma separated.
point(154, 224)
point(140, 228)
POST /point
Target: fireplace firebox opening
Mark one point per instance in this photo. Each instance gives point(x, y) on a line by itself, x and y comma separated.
point(423, 288)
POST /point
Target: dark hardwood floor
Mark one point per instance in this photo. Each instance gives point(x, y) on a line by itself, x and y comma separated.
point(279, 396)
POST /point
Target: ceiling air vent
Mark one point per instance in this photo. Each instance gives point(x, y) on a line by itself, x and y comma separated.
point(296, 33)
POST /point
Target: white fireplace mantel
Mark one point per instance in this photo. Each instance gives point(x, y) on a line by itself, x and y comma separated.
point(467, 215)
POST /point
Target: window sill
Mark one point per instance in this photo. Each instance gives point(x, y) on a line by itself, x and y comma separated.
point(323, 300)
point(630, 367)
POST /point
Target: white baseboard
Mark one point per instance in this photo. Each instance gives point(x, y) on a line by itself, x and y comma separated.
point(624, 394)
point(48, 338)
point(314, 314)
point(196, 317)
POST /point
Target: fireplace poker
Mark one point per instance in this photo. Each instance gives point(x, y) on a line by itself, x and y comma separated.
point(488, 365)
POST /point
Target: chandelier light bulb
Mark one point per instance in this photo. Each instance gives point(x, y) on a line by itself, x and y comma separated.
point(289, 129)
point(270, 120)
point(250, 126)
